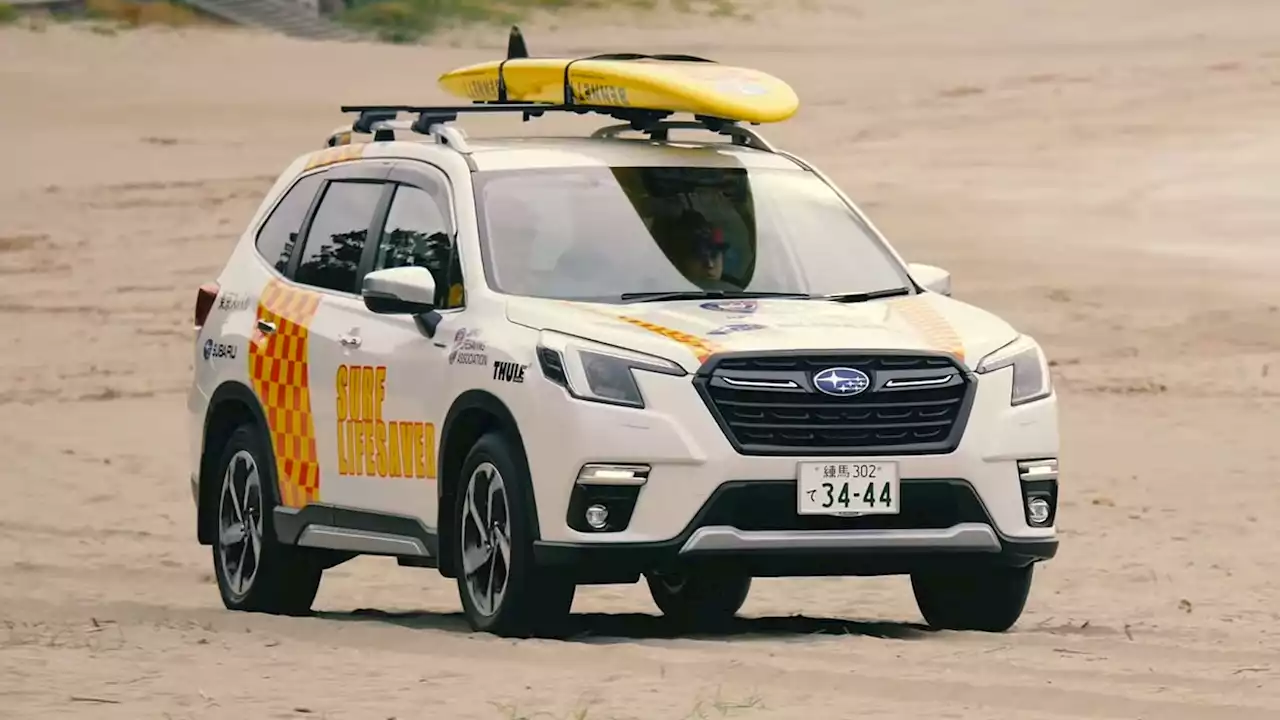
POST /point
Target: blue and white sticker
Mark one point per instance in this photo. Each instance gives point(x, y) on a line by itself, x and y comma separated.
point(736, 328)
point(731, 306)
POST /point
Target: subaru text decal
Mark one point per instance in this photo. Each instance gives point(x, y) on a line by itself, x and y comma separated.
point(218, 350)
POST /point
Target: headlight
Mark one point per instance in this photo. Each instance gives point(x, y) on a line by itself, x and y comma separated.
point(1031, 380)
point(595, 371)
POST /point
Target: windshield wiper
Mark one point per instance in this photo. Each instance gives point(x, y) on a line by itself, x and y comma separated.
point(865, 296)
point(704, 295)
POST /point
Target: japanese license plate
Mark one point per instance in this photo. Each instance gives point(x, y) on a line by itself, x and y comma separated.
point(847, 488)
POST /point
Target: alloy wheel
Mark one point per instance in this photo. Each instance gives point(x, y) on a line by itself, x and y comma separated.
point(486, 539)
point(240, 511)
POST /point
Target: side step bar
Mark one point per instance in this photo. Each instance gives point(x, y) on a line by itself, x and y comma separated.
point(360, 541)
point(361, 532)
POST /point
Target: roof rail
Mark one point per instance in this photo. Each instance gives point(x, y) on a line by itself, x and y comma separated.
point(382, 121)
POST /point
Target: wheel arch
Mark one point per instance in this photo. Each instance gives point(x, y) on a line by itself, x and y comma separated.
point(232, 404)
point(472, 414)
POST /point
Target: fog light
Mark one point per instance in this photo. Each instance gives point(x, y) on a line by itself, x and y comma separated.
point(1037, 510)
point(598, 516)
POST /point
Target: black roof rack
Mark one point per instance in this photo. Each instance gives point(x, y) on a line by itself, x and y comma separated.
point(429, 115)
point(433, 119)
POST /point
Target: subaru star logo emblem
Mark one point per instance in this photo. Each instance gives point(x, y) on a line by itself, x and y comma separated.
point(841, 381)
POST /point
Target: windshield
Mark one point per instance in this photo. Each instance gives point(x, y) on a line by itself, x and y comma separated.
point(598, 233)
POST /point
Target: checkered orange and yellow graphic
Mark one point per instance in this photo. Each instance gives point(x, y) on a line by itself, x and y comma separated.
point(278, 369)
point(702, 349)
point(920, 313)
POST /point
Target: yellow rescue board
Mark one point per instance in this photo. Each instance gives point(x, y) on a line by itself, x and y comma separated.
point(699, 88)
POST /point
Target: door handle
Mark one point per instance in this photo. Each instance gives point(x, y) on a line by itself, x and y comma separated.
point(265, 326)
point(352, 341)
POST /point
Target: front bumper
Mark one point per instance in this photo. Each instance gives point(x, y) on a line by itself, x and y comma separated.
point(704, 499)
point(742, 524)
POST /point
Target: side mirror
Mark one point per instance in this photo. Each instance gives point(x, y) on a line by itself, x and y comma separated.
point(409, 290)
point(932, 278)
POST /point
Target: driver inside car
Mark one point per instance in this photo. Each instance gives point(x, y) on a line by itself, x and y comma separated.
point(698, 248)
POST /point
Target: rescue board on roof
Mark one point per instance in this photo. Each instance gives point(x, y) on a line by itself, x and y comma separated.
point(695, 86)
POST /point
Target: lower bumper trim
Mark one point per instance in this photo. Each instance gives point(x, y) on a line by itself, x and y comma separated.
point(865, 555)
point(966, 537)
point(367, 542)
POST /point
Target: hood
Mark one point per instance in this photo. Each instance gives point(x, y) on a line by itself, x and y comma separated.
point(688, 331)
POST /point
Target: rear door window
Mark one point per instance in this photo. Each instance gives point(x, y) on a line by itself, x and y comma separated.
point(337, 236)
point(417, 232)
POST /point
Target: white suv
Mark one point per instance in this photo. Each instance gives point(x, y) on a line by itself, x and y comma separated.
point(535, 363)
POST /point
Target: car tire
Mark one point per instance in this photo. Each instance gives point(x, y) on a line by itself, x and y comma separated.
point(503, 591)
point(705, 599)
point(255, 572)
point(981, 599)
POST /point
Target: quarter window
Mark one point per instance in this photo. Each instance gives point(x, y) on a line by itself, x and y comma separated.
point(280, 232)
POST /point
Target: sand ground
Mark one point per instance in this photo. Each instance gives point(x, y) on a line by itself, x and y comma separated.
point(1102, 172)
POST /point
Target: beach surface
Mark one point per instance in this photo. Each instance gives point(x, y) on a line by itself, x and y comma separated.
point(1101, 172)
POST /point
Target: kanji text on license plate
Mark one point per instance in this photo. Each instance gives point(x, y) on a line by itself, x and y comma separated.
point(847, 488)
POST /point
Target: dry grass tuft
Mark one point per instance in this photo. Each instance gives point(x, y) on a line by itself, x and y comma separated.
point(137, 14)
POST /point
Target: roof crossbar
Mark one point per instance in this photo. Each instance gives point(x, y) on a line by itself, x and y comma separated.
point(739, 135)
point(429, 115)
point(383, 120)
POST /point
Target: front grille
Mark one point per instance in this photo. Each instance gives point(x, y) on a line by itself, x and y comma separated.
point(768, 404)
point(771, 505)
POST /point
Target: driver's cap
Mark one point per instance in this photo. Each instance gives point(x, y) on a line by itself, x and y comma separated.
point(705, 236)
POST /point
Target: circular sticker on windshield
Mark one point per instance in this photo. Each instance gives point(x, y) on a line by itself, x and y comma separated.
point(730, 306)
point(736, 328)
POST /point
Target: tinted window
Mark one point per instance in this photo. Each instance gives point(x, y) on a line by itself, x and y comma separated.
point(417, 233)
point(593, 233)
point(280, 231)
point(331, 255)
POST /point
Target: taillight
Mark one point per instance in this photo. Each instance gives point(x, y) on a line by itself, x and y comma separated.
point(205, 298)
